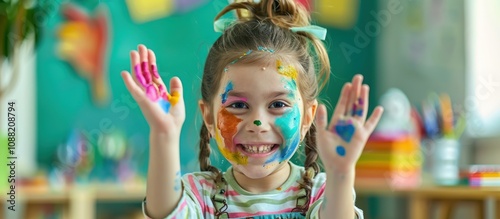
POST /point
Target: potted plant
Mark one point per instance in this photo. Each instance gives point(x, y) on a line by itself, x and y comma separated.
point(20, 21)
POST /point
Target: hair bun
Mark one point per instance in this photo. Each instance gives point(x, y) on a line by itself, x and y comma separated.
point(284, 13)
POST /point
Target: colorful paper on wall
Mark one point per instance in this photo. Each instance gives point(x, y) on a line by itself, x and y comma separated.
point(337, 13)
point(83, 43)
point(187, 5)
point(142, 11)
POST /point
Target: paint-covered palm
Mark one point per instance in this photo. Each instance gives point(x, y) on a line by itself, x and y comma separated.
point(164, 111)
point(341, 141)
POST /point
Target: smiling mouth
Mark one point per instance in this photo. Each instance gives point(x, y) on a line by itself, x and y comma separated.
point(258, 149)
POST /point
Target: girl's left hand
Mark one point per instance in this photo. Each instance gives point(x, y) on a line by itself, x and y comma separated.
point(341, 142)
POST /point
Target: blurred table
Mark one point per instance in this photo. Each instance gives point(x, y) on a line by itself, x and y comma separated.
point(486, 199)
point(77, 201)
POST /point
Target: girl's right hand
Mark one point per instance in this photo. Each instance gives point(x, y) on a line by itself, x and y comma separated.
point(164, 111)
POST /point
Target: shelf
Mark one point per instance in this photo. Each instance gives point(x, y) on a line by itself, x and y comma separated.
point(77, 201)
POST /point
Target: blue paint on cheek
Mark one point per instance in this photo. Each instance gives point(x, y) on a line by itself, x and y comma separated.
point(229, 87)
point(289, 124)
point(340, 150)
point(290, 85)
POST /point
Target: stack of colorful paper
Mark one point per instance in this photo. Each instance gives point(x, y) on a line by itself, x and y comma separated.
point(390, 161)
point(484, 175)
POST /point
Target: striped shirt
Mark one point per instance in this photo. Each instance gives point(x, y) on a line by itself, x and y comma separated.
point(199, 187)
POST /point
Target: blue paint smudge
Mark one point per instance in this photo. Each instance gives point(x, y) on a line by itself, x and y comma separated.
point(340, 150)
point(229, 87)
point(290, 129)
point(164, 104)
point(290, 85)
point(358, 112)
point(177, 185)
point(345, 130)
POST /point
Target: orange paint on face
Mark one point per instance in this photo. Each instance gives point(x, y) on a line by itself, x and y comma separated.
point(227, 123)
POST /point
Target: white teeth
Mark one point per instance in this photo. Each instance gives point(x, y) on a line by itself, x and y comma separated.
point(257, 149)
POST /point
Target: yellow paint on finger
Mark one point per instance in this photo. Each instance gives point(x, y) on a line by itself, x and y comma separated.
point(174, 98)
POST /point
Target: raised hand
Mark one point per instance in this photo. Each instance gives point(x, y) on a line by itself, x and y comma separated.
point(341, 141)
point(163, 110)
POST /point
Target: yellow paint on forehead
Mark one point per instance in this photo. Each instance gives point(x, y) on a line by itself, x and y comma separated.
point(287, 71)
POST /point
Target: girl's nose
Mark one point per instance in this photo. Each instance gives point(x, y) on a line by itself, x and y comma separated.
point(257, 124)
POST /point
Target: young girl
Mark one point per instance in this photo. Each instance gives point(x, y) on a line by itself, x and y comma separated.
point(259, 90)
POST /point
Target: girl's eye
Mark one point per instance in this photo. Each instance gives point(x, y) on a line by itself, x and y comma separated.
point(278, 104)
point(238, 105)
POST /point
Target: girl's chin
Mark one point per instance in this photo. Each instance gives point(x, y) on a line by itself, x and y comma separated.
point(257, 171)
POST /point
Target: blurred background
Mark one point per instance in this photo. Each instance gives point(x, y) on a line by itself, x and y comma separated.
point(75, 145)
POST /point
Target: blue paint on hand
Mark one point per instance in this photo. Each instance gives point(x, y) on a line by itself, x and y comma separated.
point(358, 112)
point(345, 130)
point(340, 150)
point(164, 104)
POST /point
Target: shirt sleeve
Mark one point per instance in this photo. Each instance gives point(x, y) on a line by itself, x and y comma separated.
point(190, 205)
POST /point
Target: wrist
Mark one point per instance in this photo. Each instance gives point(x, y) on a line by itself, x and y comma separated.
point(341, 173)
point(162, 140)
point(167, 136)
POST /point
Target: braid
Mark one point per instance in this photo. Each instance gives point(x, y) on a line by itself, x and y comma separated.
point(311, 150)
point(204, 156)
point(204, 159)
point(311, 166)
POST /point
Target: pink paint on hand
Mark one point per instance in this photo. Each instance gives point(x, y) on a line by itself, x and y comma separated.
point(163, 92)
point(155, 71)
point(138, 75)
point(360, 101)
point(145, 72)
point(151, 93)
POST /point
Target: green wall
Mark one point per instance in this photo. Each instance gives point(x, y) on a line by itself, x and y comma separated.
point(181, 42)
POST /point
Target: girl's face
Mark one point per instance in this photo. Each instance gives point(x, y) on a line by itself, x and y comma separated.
point(258, 116)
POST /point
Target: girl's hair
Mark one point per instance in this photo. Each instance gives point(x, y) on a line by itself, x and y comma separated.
point(267, 25)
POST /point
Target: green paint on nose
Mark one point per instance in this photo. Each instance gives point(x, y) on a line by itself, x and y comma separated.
point(257, 122)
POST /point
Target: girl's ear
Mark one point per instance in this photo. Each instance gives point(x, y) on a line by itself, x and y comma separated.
point(207, 116)
point(309, 114)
